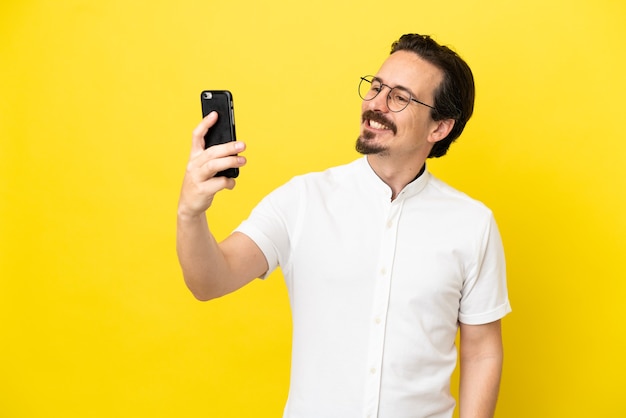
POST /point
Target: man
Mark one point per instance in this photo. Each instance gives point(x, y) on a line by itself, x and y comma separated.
point(383, 262)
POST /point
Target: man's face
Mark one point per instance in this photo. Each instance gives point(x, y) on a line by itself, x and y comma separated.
point(407, 132)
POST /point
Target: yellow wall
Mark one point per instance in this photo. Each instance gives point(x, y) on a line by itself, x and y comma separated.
point(97, 102)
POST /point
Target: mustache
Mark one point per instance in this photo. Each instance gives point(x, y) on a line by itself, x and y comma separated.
point(380, 118)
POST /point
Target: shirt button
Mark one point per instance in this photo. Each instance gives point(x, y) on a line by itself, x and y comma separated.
point(383, 271)
point(373, 370)
point(389, 223)
point(377, 321)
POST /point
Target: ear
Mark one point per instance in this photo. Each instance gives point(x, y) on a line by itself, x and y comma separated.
point(441, 130)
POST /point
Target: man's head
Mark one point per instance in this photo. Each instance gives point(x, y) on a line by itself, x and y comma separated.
point(426, 98)
point(454, 98)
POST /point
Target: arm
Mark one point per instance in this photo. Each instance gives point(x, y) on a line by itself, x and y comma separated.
point(481, 357)
point(211, 269)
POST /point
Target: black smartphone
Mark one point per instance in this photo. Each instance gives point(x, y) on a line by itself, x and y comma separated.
point(220, 101)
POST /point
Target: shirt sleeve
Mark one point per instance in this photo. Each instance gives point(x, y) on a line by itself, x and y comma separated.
point(484, 297)
point(272, 223)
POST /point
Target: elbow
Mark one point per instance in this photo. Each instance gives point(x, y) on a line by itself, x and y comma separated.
point(202, 291)
point(204, 295)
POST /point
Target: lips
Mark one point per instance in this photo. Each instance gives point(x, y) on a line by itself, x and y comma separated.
point(377, 121)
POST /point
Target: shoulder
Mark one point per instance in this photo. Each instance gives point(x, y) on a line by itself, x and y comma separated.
point(330, 177)
point(454, 197)
point(456, 208)
point(314, 185)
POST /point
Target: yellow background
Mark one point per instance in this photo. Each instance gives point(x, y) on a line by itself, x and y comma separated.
point(97, 103)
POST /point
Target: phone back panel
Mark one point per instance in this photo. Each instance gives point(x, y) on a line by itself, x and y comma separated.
point(223, 131)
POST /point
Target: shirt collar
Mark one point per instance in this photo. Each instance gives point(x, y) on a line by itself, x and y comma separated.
point(411, 189)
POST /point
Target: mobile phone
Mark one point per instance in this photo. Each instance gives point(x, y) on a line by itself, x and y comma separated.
point(220, 101)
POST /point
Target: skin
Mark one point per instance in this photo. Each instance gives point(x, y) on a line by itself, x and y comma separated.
point(213, 269)
point(210, 269)
point(481, 357)
point(404, 152)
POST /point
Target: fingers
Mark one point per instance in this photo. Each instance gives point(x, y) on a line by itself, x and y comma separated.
point(201, 156)
point(199, 188)
point(212, 166)
point(218, 158)
point(200, 184)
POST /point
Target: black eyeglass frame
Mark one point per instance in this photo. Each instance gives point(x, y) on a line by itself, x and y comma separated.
point(365, 78)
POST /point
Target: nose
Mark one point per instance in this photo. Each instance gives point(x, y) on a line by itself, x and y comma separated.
point(379, 103)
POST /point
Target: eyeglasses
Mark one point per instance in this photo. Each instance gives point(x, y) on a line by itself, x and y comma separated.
point(397, 99)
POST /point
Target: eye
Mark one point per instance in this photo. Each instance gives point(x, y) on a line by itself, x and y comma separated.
point(400, 97)
point(376, 86)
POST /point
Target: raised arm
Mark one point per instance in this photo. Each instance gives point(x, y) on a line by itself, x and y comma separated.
point(211, 269)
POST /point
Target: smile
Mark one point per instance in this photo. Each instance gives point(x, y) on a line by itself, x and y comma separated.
point(377, 125)
point(377, 121)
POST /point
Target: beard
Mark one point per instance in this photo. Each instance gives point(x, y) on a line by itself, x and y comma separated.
point(364, 145)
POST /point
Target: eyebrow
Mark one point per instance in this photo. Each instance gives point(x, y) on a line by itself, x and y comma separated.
point(374, 78)
point(380, 80)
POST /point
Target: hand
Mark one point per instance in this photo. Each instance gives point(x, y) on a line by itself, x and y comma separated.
point(200, 184)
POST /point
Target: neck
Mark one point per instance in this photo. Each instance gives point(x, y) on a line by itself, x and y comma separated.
point(396, 177)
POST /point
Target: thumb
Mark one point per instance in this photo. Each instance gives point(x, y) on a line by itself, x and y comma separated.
point(197, 144)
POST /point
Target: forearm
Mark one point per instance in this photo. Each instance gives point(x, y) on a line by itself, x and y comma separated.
point(200, 257)
point(481, 357)
point(479, 386)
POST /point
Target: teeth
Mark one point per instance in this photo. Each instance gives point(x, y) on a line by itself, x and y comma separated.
point(377, 125)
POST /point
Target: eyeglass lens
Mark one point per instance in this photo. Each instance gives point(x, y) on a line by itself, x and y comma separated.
point(397, 98)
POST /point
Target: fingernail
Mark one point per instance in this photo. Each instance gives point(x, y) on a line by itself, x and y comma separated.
point(239, 146)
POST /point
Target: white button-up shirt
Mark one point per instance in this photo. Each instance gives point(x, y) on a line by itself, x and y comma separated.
point(377, 288)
